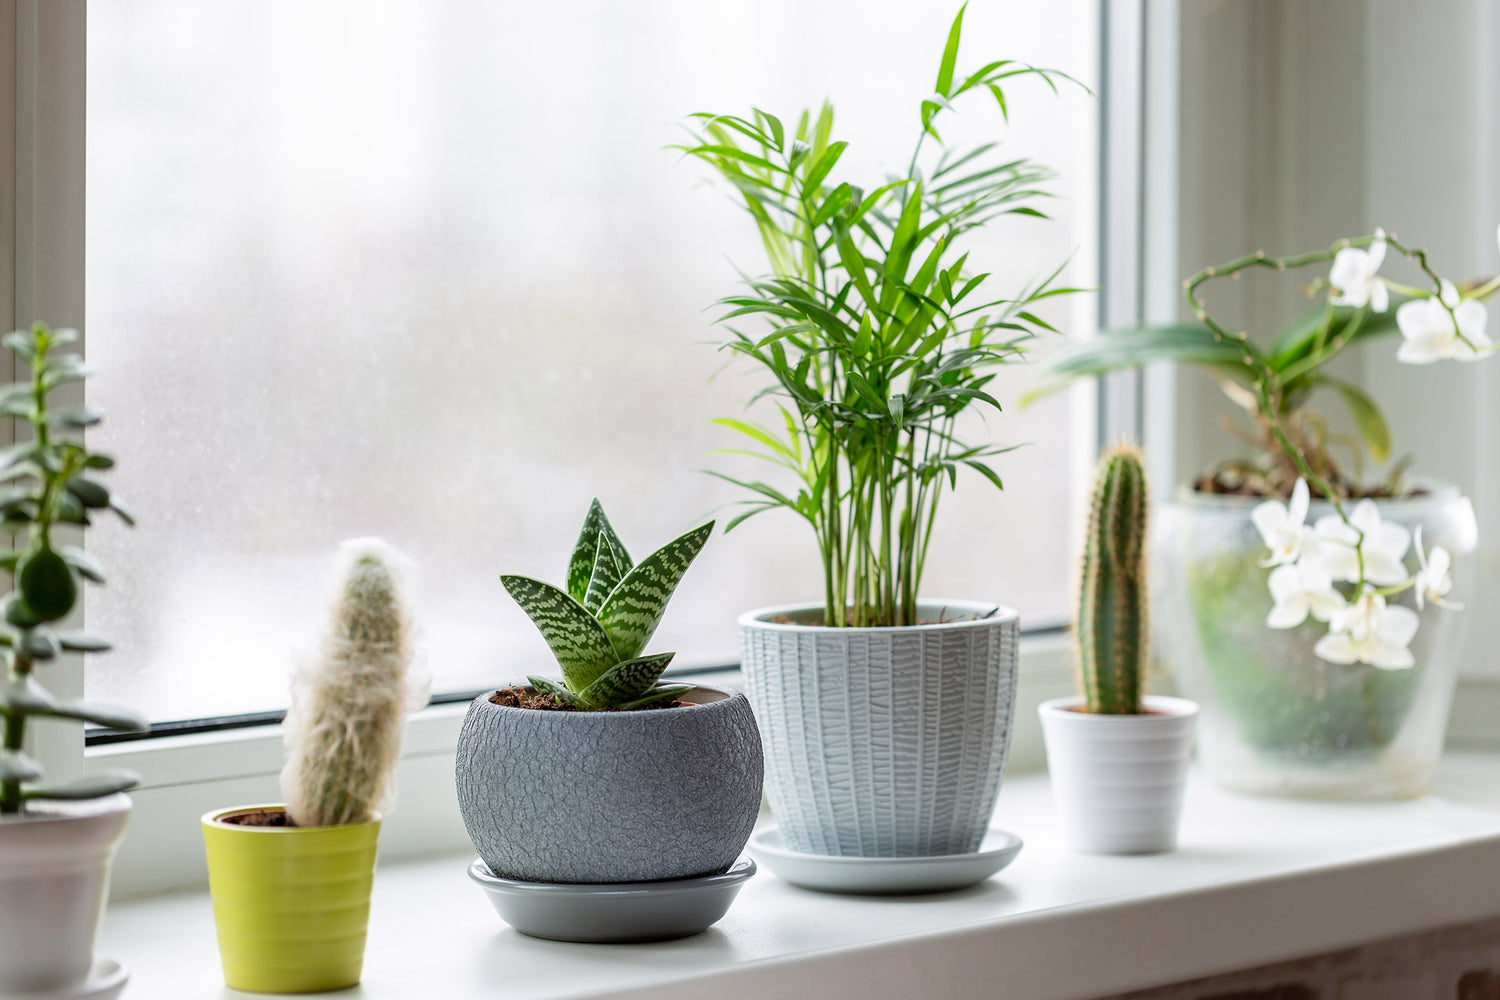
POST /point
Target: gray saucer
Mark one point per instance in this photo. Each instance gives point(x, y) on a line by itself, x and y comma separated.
point(885, 876)
point(613, 912)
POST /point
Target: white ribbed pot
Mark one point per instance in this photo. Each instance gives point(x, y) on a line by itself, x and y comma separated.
point(883, 742)
point(1117, 780)
point(54, 881)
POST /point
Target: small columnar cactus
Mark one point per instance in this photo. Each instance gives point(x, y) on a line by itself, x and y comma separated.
point(598, 628)
point(343, 732)
point(1112, 628)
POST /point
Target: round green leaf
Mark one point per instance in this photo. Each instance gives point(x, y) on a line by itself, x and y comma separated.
point(46, 584)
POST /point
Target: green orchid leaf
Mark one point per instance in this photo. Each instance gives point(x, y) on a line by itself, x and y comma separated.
point(606, 576)
point(1296, 342)
point(90, 786)
point(547, 685)
point(1133, 347)
point(635, 607)
point(580, 643)
point(626, 681)
point(17, 766)
point(667, 692)
point(585, 551)
point(1373, 429)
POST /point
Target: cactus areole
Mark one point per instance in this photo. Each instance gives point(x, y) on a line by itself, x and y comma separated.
point(1112, 629)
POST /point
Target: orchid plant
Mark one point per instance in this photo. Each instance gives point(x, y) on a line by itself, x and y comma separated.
point(1346, 568)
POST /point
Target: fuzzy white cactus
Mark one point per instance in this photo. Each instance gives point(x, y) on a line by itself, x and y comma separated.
point(343, 732)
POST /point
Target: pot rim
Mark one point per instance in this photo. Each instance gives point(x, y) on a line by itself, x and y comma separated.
point(483, 698)
point(1439, 492)
point(998, 614)
point(65, 811)
point(1172, 709)
point(214, 818)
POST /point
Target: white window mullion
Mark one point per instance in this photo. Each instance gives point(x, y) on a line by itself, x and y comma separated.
point(45, 144)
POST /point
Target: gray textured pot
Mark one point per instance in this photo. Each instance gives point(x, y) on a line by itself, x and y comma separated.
point(610, 796)
point(882, 742)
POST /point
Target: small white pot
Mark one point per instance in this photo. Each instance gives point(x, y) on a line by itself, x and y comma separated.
point(1118, 779)
point(54, 882)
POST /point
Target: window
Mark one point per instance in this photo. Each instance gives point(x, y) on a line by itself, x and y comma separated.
point(424, 270)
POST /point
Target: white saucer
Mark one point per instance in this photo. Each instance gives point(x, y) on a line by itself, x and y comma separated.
point(105, 981)
point(885, 876)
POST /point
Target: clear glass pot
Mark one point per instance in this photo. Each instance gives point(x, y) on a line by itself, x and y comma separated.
point(1276, 719)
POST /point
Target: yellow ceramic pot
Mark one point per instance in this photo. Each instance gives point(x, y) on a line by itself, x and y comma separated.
point(292, 904)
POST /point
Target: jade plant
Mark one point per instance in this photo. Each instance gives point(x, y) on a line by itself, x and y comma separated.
point(344, 730)
point(1112, 628)
point(50, 484)
point(598, 628)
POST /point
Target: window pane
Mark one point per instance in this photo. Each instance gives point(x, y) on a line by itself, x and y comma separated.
point(424, 270)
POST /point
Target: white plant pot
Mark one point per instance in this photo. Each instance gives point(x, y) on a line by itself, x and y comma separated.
point(54, 882)
point(882, 742)
point(1117, 780)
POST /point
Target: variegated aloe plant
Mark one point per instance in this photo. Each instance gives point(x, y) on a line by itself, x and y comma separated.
point(598, 628)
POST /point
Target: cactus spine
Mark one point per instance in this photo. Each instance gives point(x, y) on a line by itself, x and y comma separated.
point(344, 730)
point(1112, 628)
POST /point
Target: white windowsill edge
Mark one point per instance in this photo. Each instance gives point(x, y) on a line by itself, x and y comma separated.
point(186, 776)
point(1255, 881)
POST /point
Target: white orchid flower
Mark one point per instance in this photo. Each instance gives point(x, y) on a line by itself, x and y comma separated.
point(1382, 549)
point(1370, 631)
point(1431, 332)
point(1301, 590)
point(1434, 579)
point(1354, 280)
point(1283, 526)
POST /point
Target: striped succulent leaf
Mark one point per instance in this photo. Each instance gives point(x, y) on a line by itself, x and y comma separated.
point(585, 551)
point(666, 692)
point(626, 681)
point(577, 639)
point(547, 685)
point(607, 575)
point(636, 605)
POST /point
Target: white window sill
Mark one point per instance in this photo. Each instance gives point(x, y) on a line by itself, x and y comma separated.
point(1256, 881)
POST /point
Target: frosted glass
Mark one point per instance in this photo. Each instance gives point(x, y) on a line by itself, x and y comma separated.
point(423, 270)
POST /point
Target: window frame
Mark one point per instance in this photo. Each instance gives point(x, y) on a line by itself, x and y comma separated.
point(184, 774)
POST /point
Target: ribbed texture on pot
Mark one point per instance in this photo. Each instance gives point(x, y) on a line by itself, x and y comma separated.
point(883, 742)
point(1118, 780)
point(291, 905)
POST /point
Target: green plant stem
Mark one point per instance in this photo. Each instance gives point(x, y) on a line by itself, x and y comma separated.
point(15, 737)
